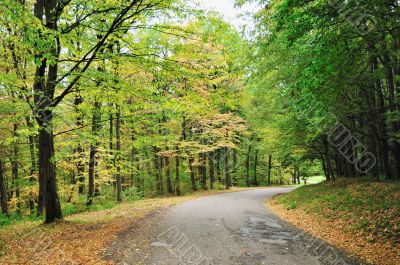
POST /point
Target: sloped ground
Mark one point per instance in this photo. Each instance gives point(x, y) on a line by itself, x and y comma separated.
point(362, 217)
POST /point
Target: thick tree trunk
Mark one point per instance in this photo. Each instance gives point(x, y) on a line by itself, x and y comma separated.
point(44, 88)
point(3, 190)
point(47, 169)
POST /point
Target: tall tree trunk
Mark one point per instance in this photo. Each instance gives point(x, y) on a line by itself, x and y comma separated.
point(44, 89)
point(111, 133)
point(191, 158)
point(47, 169)
point(212, 172)
point(168, 175)
point(192, 173)
point(228, 181)
point(383, 138)
point(218, 165)
point(394, 121)
point(118, 154)
point(248, 166)
point(203, 170)
point(91, 173)
point(255, 168)
point(269, 169)
point(93, 153)
point(161, 163)
point(298, 176)
point(80, 166)
point(177, 173)
point(324, 139)
point(32, 153)
point(326, 171)
point(235, 171)
point(15, 168)
point(3, 190)
point(157, 170)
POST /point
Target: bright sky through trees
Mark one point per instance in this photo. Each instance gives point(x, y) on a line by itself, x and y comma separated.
point(234, 15)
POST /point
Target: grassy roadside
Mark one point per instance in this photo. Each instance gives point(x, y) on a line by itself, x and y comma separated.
point(362, 217)
point(80, 238)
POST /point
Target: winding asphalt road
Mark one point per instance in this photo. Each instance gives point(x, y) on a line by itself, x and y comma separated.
point(235, 228)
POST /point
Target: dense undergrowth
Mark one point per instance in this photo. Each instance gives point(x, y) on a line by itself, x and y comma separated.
point(77, 204)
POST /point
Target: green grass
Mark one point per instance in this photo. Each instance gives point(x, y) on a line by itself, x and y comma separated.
point(370, 207)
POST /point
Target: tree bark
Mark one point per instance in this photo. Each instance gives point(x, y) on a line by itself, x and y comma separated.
point(192, 173)
point(79, 155)
point(118, 154)
point(326, 172)
point(47, 169)
point(255, 168)
point(383, 137)
point(212, 171)
point(44, 88)
point(3, 190)
point(15, 168)
point(32, 153)
point(248, 166)
point(203, 170)
point(177, 173)
point(328, 164)
point(157, 170)
point(93, 153)
point(168, 175)
point(298, 176)
point(228, 181)
point(218, 165)
point(235, 171)
point(269, 169)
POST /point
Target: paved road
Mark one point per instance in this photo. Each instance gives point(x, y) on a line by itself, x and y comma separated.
point(235, 228)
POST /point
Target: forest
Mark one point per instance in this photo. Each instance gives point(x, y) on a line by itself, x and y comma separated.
point(107, 102)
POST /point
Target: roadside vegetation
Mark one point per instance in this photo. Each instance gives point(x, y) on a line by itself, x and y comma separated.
point(83, 238)
point(359, 215)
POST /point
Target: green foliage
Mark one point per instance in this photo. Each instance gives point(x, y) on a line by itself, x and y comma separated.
point(132, 194)
point(5, 220)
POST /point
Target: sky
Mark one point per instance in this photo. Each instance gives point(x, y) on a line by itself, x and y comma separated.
point(228, 10)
